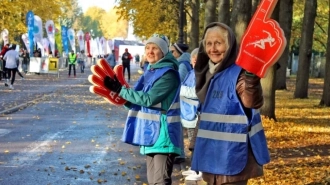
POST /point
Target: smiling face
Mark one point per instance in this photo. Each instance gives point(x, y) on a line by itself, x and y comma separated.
point(153, 53)
point(216, 44)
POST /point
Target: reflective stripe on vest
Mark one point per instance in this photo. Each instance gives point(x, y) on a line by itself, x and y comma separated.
point(239, 119)
point(224, 136)
point(189, 101)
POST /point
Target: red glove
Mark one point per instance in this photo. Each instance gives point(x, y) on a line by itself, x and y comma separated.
point(100, 71)
point(263, 41)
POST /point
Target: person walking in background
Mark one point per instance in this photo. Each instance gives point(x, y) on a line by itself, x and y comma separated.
point(3, 61)
point(17, 71)
point(11, 58)
point(179, 51)
point(189, 114)
point(26, 60)
point(81, 61)
point(137, 59)
point(126, 58)
point(72, 63)
point(37, 53)
point(111, 59)
point(229, 144)
point(153, 121)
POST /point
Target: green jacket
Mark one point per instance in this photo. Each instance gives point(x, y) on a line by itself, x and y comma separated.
point(163, 90)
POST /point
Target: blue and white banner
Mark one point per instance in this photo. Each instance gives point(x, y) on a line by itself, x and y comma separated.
point(71, 37)
point(65, 40)
point(37, 30)
point(30, 27)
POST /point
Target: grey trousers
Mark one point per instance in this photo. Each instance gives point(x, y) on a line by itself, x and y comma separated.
point(159, 169)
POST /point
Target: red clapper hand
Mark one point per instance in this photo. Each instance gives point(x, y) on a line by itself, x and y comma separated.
point(100, 71)
point(263, 41)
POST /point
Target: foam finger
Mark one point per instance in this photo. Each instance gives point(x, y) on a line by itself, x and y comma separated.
point(265, 9)
point(97, 70)
point(106, 67)
point(95, 80)
point(120, 75)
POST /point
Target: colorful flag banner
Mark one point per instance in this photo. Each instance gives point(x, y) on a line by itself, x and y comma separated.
point(64, 35)
point(71, 37)
point(50, 29)
point(30, 28)
point(80, 36)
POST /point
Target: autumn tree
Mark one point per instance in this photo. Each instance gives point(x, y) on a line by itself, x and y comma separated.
point(325, 101)
point(224, 11)
point(255, 4)
point(72, 15)
point(285, 21)
point(240, 17)
point(268, 83)
point(112, 27)
point(305, 49)
point(12, 14)
point(194, 30)
point(210, 11)
point(150, 17)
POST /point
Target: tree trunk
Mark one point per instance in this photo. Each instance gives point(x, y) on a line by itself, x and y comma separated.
point(210, 12)
point(268, 89)
point(224, 12)
point(285, 20)
point(325, 101)
point(240, 17)
point(268, 83)
point(305, 49)
point(194, 20)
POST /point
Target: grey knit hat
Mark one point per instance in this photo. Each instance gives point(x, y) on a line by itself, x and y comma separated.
point(161, 41)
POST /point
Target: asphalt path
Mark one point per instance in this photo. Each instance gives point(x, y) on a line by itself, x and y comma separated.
point(53, 131)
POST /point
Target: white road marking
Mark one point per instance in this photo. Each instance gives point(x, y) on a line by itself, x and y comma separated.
point(4, 132)
point(36, 150)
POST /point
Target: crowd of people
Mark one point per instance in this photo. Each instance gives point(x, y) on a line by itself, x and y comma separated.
point(207, 94)
point(9, 64)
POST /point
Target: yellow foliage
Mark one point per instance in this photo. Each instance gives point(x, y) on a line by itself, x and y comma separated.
point(150, 17)
point(12, 14)
point(299, 141)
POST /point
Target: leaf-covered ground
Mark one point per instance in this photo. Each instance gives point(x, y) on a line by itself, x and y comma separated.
point(299, 142)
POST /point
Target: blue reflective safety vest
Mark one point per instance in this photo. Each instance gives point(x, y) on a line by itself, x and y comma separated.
point(189, 106)
point(225, 132)
point(143, 123)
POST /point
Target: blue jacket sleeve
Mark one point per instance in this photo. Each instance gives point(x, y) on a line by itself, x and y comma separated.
point(183, 71)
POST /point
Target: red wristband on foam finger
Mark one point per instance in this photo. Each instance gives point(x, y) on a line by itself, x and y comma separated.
point(263, 41)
